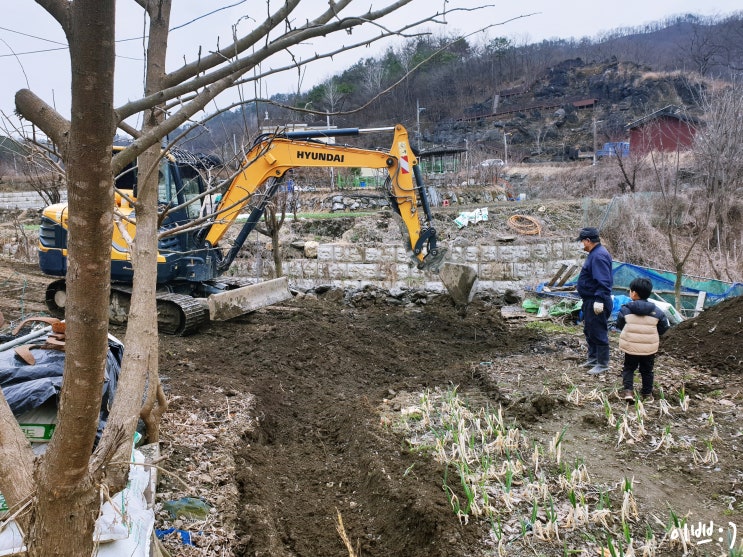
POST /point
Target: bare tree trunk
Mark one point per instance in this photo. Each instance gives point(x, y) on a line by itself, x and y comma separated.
point(67, 495)
point(677, 284)
point(16, 462)
point(276, 248)
point(275, 216)
point(139, 368)
point(153, 409)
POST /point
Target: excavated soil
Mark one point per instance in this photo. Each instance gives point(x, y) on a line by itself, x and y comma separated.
point(712, 339)
point(321, 372)
point(332, 375)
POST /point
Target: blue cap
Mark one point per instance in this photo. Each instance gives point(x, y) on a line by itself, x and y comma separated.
point(588, 233)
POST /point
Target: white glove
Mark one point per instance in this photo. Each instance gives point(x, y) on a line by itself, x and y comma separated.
point(598, 308)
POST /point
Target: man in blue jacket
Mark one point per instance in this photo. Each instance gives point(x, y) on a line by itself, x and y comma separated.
point(594, 287)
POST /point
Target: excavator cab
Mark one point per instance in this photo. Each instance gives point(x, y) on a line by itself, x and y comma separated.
point(181, 189)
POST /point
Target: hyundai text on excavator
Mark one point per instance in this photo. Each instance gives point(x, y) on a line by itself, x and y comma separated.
point(193, 260)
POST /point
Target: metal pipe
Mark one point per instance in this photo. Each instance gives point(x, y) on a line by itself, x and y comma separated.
point(338, 132)
point(21, 340)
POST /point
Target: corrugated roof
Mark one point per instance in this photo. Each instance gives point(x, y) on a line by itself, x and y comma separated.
point(670, 111)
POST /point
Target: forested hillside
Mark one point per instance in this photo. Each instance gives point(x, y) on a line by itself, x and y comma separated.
point(544, 95)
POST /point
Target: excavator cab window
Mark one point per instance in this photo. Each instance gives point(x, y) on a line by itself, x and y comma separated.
point(191, 189)
point(166, 190)
point(127, 180)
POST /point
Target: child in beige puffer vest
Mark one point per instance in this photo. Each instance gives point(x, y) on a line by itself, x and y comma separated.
point(642, 323)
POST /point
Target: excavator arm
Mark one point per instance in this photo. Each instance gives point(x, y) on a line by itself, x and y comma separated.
point(273, 155)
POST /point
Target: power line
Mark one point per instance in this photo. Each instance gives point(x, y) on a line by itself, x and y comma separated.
point(208, 14)
point(32, 36)
point(58, 49)
point(64, 47)
point(32, 52)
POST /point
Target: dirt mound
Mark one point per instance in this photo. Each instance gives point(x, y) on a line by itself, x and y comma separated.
point(712, 339)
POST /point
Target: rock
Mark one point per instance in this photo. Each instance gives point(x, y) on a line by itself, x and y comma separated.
point(310, 249)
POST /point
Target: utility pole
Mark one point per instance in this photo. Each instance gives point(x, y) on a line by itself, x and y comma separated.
point(594, 140)
point(595, 144)
point(418, 110)
point(467, 158)
point(505, 146)
point(332, 173)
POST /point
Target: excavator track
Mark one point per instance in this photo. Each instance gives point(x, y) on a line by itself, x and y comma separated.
point(177, 314)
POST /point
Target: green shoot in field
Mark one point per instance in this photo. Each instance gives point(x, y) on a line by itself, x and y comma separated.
point(629, 505)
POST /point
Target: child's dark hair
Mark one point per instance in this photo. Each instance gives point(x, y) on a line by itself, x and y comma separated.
point(642, 286)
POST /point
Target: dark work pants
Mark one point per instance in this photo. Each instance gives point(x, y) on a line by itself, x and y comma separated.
point(645, 363)
point(596, 329)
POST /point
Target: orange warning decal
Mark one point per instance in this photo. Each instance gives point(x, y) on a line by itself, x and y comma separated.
point(404, 162)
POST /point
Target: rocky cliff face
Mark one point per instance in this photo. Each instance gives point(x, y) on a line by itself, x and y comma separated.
point(552, 118)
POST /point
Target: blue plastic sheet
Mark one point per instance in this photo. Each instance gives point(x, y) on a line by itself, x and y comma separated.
point(663, 285)
point(27, 387)
point(185, 535)
point(619, 301)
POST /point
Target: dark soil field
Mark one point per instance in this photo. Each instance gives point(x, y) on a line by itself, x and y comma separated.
point(363, 424)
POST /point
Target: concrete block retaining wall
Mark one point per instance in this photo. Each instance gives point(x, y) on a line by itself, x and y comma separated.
point(24, 200)
point(499, 267)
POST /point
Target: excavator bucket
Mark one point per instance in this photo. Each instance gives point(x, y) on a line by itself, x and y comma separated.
point(239, 301)
point(458, 280)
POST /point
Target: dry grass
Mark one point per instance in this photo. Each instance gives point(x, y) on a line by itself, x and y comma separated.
point(208, 469)
point(632, 224)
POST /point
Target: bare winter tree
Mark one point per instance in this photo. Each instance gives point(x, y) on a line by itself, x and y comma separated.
point(718, 155)
point(58, 493)
point(702, 47)
point(332, 95)
point(684, 222)
point(630, 167)
point(373, 77)
point(36, 161)
point(273, 220)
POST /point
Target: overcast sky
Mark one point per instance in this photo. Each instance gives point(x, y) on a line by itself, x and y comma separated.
point(32, 52)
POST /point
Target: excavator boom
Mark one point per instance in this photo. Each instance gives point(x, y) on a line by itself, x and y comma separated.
point(273, 155)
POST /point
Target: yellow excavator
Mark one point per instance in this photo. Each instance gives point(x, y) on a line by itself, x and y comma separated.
point(193, 260)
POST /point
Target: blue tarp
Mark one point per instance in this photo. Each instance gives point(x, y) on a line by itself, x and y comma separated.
point(663, 285)
point(27, 387)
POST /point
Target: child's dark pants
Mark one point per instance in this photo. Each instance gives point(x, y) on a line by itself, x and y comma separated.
point(645, 363)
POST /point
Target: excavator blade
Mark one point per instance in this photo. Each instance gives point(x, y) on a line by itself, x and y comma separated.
point(458, 280)
point(245, 299)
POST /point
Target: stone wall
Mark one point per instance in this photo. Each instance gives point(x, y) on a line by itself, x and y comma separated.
point(499, 267)
point(24, 200)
